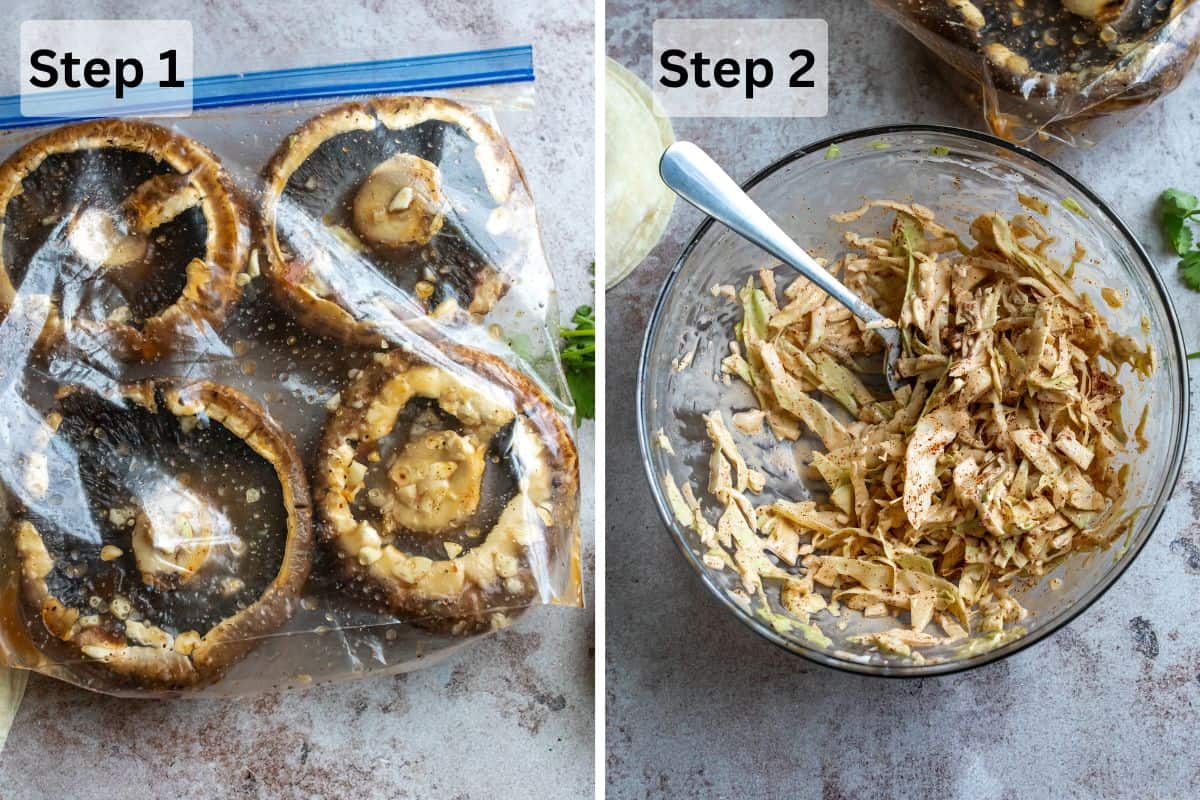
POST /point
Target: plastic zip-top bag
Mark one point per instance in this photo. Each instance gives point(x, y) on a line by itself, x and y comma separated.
point(12, 689)
point(280, 397)
point(1057, 70)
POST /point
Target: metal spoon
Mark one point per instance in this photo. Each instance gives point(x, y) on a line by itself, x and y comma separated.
point(695, 177)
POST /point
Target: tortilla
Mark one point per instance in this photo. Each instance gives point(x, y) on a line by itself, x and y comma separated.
point(637, 203)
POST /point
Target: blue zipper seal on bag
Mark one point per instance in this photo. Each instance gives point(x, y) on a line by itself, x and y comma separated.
point(397, 75)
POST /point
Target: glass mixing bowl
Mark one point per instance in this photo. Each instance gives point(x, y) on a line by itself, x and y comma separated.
point(959, 174)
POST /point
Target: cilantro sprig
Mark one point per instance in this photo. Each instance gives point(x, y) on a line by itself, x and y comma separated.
point(579, 361)
point(1179, 209)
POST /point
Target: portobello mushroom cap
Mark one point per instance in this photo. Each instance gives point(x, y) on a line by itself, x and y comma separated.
point(448, 487)
point(392, 209)
point(1109, 51)
point(125, 233)
point(161, 535)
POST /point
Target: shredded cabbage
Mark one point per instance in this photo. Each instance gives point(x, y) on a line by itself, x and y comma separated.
point(999, 461)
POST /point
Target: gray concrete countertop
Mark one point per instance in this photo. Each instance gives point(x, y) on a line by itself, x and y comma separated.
point(698, 706)
point(512, 716)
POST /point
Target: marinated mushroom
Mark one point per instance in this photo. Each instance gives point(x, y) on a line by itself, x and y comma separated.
point(448, 487)
point(119, 235)
point(161, 534)
point(1075, 57)
point(389, 210)
point(172, 535)
point(400, 202)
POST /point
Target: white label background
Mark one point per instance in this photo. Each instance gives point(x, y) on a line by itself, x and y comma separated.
point(742, 39)
point(108, 39)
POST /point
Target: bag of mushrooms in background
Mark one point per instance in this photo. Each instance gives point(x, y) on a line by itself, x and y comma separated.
point(1067, 71)
point(280, 398)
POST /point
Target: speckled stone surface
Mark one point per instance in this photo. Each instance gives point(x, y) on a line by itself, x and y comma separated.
point(512, 716)
point(698, 706)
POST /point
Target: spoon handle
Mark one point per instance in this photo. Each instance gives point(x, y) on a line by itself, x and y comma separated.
point(690, 173)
